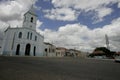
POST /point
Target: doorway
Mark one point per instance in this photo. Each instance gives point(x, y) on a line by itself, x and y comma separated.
point(34, 51)
point(18, 49)
point(27, 50)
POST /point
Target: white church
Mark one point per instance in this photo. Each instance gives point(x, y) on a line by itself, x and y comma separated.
point(24, 41)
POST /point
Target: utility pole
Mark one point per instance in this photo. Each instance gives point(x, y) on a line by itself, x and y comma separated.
point(107, 41)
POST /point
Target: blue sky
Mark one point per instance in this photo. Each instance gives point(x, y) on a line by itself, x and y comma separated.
point(80, 24)
point(85, 18)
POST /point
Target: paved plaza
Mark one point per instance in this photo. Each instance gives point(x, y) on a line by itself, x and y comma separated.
point(42, 68)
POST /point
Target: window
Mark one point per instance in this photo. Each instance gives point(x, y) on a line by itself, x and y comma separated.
point(45, 49)
point(35, 38)
point(53, 50)
point(31, 36)
point(28, 35)
point(20, 35)
point(31, 19)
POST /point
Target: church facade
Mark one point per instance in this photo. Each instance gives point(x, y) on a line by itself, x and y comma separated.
point(24, 41)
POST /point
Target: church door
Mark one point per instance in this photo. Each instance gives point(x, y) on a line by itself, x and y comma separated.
point(18, 49)
point(34, 51)
point(27, 50)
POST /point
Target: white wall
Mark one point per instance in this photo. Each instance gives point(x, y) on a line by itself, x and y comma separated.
point(11, 40)
point(49, 52)
point(1, 40)
point(27, 21)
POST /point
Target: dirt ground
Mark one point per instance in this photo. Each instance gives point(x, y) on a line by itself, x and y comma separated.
point(38, 68)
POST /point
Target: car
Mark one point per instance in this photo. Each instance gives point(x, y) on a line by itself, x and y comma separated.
point(117, 59)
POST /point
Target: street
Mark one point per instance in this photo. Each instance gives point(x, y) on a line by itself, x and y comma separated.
point(43, 68)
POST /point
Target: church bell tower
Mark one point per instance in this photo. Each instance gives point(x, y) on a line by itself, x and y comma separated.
point(30, 19)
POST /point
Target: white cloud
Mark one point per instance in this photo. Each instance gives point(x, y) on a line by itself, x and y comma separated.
point(101, 13)
point(99, 7)
point(39, 23)
point(11, 11)
point(118, 3)
point(81, 37)
point(82, 4)
point(4, 26)
point(65, 14)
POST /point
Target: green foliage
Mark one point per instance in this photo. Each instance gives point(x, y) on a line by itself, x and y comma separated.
point(104, 49)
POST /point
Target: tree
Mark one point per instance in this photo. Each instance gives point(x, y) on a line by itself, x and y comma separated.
point(104, 49)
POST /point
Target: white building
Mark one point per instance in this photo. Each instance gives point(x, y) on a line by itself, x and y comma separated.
point(73, 53)
point(60, 51)
point(50, 50)
point(1, 40)
point(24, 41)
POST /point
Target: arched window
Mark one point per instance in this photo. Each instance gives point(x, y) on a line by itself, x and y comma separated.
point(28, 35)
point(31, 19)
point(31, 36)
point(20, 35)
point(35, 38)
point(45, 49)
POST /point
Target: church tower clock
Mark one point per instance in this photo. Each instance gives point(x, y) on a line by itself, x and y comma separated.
point(30, 19)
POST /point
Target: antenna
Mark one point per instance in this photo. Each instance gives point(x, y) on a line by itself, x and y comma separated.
point(107, 41)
